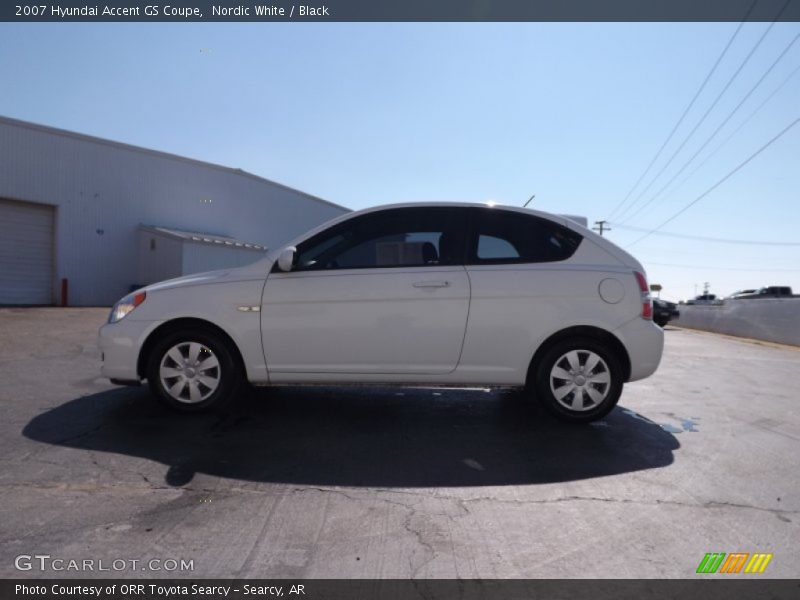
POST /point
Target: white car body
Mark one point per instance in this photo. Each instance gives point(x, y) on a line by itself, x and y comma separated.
point(459, 324)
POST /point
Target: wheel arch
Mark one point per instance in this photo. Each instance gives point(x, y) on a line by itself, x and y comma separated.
point(184, 323)
point(586, 331)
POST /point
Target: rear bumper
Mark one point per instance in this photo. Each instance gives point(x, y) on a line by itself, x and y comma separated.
point(644, 341)
point(120, 344)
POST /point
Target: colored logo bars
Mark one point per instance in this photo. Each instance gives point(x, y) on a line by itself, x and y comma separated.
point(719, 562)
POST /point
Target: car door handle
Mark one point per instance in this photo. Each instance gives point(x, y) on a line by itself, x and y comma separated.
point(431, 284)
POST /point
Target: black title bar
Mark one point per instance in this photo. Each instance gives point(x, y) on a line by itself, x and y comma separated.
point(404, 10)
point(702, 587)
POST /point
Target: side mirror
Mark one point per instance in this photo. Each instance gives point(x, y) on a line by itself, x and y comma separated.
point(286, 259)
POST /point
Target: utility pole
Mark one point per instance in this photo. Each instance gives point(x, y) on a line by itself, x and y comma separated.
point(601, 226)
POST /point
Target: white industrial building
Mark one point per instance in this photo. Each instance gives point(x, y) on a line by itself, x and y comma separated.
point(94, 218)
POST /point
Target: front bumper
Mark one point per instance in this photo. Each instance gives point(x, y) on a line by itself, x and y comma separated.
point(120, 344)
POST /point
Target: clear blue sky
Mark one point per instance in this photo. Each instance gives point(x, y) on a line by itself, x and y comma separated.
point(365, 114)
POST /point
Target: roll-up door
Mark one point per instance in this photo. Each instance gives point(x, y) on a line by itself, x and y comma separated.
point(26, 252)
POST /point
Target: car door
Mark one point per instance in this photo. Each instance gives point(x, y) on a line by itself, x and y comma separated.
point(382, 293)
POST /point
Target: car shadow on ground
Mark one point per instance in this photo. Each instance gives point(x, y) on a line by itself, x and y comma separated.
point(377, 437)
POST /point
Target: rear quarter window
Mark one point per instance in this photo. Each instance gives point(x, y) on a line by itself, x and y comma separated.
point(500, 237)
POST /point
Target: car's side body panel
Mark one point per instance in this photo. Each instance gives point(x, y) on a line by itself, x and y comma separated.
point(358, 321)
point(219, 298)
point(520, 306)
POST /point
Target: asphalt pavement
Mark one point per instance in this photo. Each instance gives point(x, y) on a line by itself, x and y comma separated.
point(393, 483)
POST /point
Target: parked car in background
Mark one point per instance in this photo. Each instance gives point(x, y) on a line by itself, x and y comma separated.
point(740, 293)
point(664, 311)
point(703, 299)
point(773, 291)
point(410, 295)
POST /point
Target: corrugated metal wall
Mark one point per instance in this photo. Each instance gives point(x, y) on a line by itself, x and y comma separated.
point(104, 191)
point(160, 258)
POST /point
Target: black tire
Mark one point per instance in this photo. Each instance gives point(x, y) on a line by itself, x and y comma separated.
point(661, 322)
point(539, 380)
point(228, 373)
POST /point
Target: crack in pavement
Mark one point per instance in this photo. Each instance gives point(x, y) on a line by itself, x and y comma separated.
point(705, 505)
point(711, 504)
point(419, 533)
point(408, 522)
point(415, 522)
point(461, 502)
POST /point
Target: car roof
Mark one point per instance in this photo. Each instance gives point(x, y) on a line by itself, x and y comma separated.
point(381, 207)
point(496, 205)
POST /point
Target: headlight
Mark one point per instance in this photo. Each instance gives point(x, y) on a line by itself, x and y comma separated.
point(126, 305)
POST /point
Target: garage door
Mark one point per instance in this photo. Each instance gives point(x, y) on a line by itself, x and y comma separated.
point(26, 253)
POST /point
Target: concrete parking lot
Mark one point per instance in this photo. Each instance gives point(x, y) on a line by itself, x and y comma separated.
point(361, 483)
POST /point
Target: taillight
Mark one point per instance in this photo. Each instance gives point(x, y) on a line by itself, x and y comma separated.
point(647, 300)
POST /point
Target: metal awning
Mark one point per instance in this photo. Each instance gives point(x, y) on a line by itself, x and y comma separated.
point(202, 238)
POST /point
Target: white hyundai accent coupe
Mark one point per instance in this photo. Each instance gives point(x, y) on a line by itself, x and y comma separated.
point(410, 295)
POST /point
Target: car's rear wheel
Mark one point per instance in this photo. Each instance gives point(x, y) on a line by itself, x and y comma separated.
point(578, 380)
point(193, 371)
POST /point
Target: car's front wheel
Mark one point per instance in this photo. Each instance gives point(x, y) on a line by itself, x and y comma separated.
point(578, 380)
point(193, 371)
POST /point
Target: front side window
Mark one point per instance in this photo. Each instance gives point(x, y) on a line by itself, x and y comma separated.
point(403, 237)
point(499, 236)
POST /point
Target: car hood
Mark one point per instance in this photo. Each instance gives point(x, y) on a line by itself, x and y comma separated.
point(257, 270)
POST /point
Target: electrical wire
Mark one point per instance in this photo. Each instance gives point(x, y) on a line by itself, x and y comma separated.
point(686, 110)
point(701, 238)
point(716, 131)
point(710, 268)
point(708, 110)
point(732, 134)
point(720, 182)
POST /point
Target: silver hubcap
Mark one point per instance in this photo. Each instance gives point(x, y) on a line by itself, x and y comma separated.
point(189, 372)
point(580, 380)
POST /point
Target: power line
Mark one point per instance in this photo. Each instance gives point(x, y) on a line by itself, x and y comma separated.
point(721, 181)
point(708, 239)
point(705, 115)
point(708, 267)
point(717, 130)
point(685, 111)
point(733, 133)
point(708, 110)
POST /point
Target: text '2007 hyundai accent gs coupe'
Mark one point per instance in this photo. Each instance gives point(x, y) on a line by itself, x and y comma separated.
point(413, 295)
